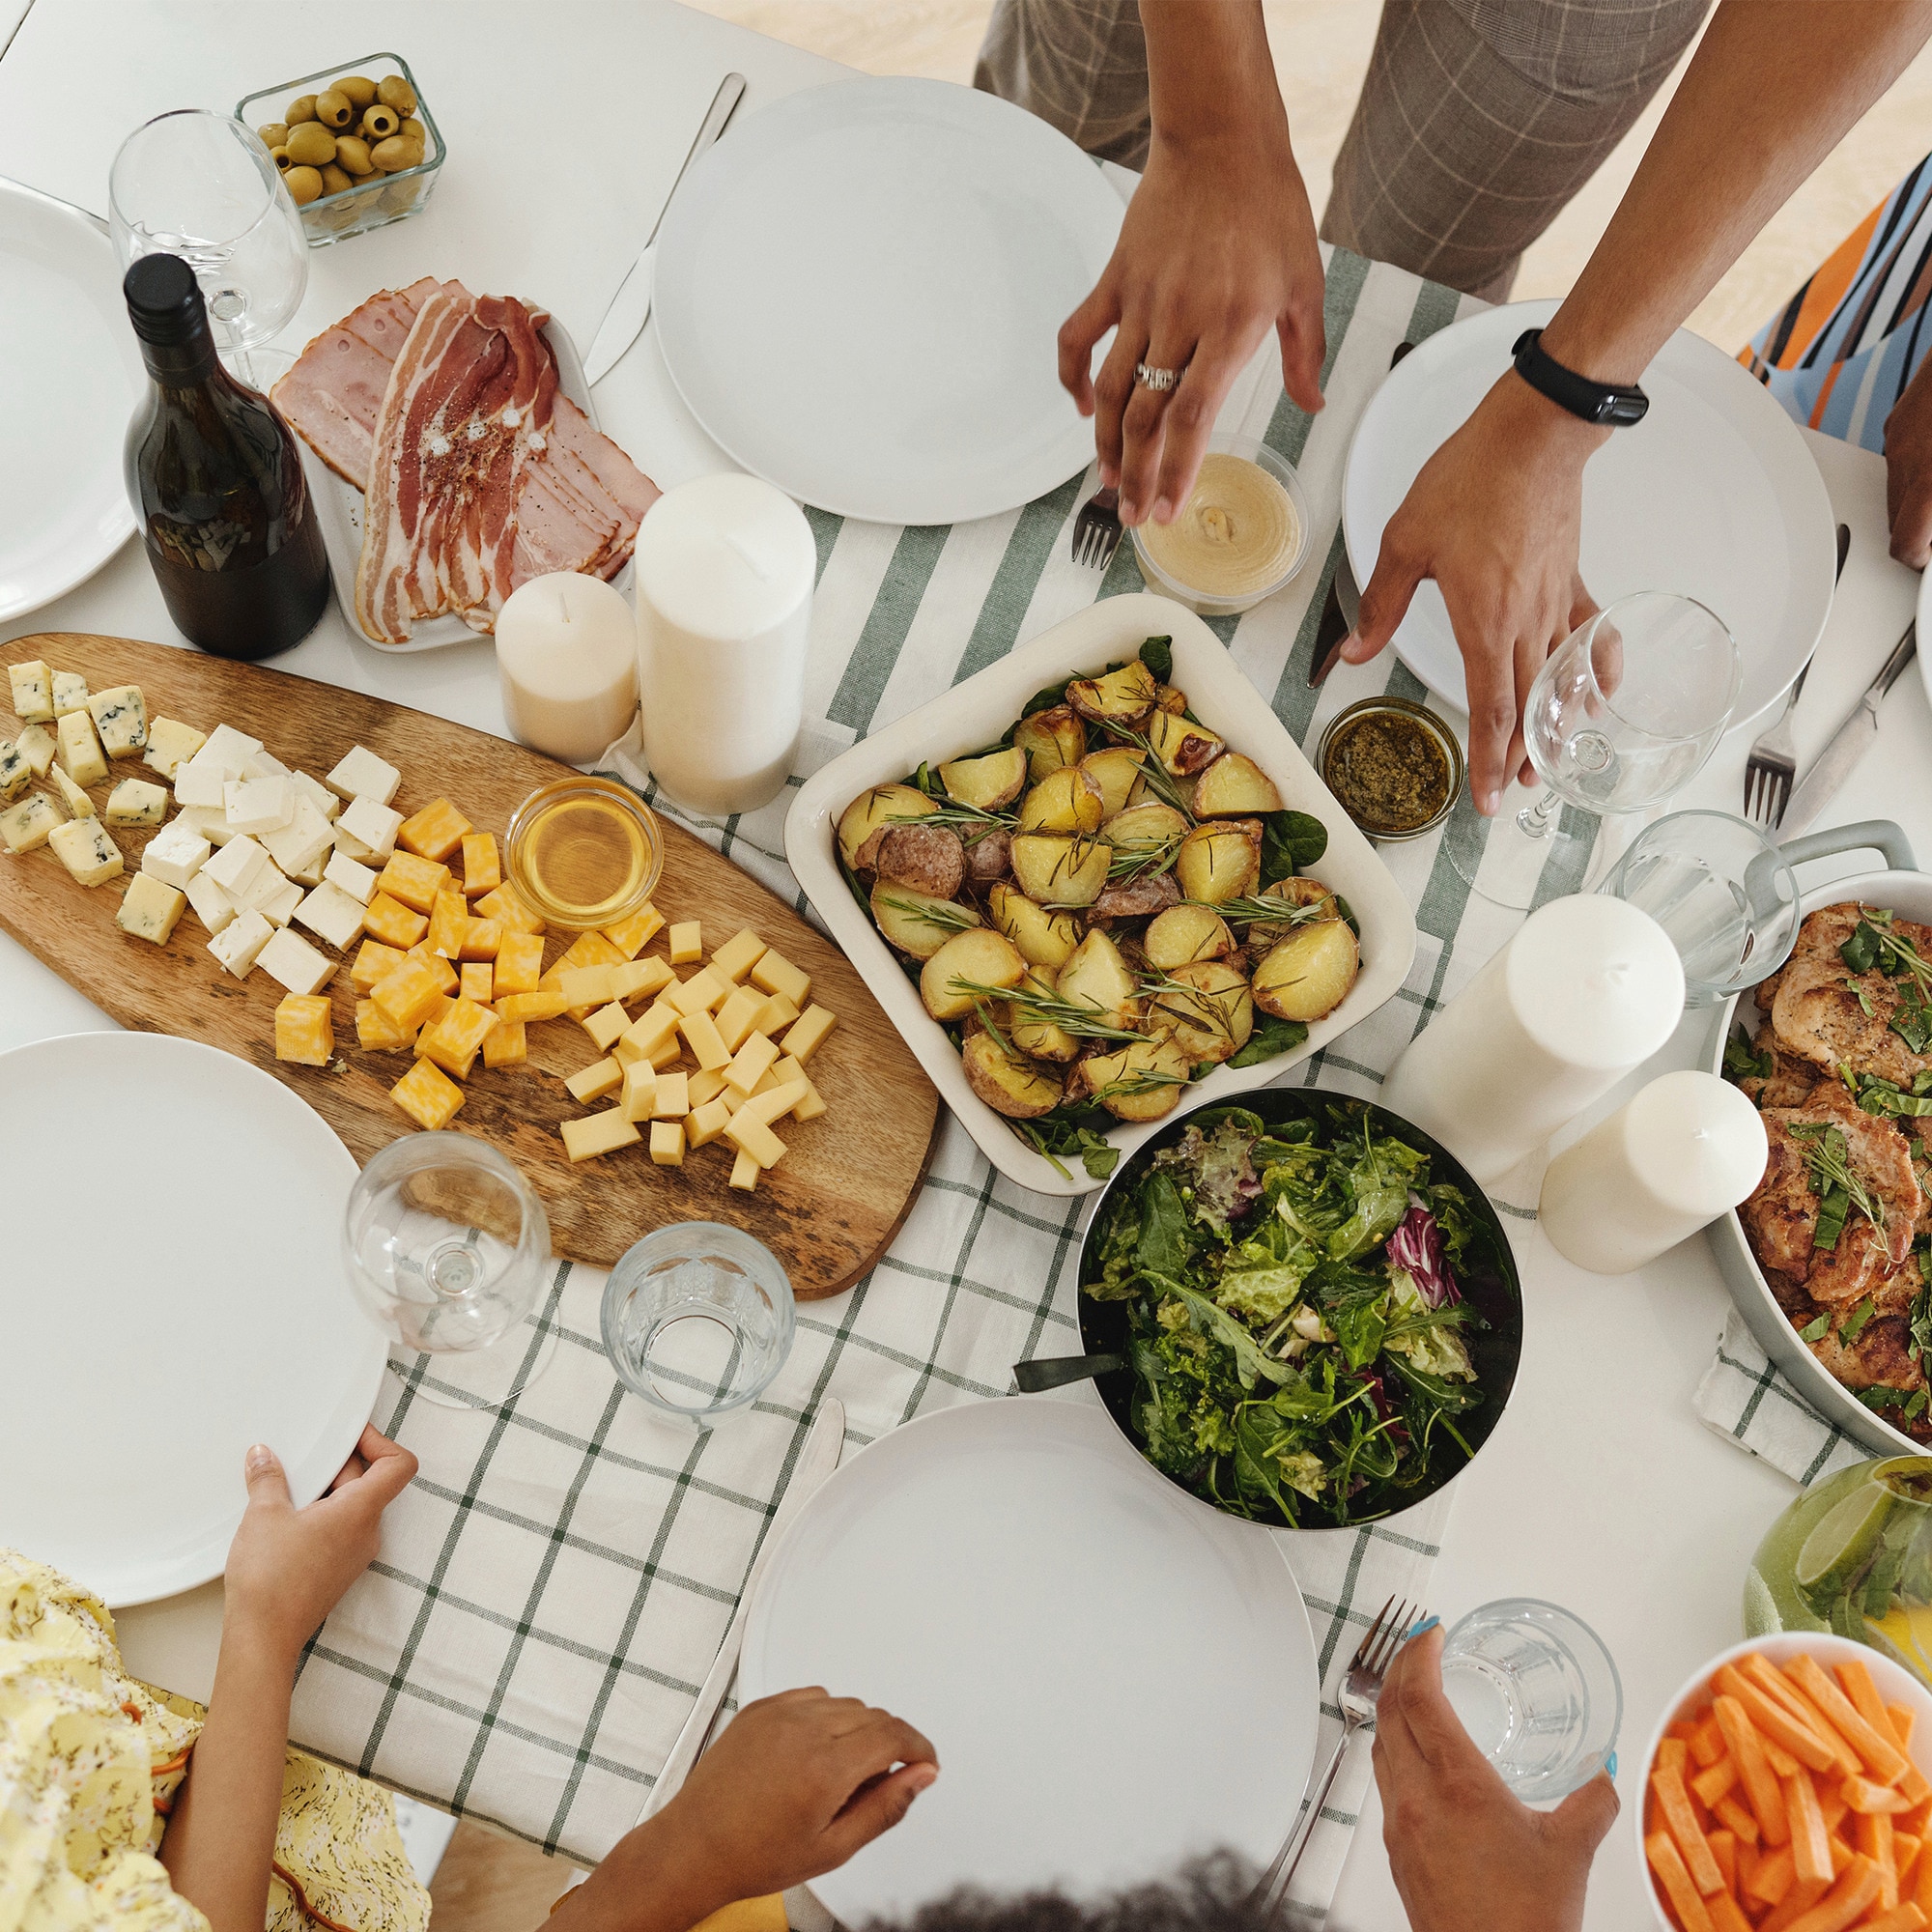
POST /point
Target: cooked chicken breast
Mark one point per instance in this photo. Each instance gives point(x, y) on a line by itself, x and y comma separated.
point(1790, 1080)
point(1836, 1018)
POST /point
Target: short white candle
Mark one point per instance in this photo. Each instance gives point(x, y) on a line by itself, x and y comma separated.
point(1586, 990)
point(1688, 1148)
point(724, 569)
point(566, 651)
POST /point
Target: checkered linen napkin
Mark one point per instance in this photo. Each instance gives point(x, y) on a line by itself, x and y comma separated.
point(1743, 1397)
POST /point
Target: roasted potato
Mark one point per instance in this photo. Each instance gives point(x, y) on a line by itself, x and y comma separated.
point(1140, 1082)
point(1301, 893)
point(1061, 872)
point(1038, 1037)
point(988, 783)
point(1181, 748)
point(873, 811)
point(917, 922)
point(1051, 739)
point(1068, 800)
point(1307, 975)
point(1121, 698)
point(990, 856)
point(1044, 938)
point(1220, 861)
point(1009, 1083)
point(1115, 770)
point(1098, 978)
point(1233, 786)
point(1170, 698)
point(1211, 1019)
point(977, 958)
point(928, 857)
point(1146, 828)
point(1184, 935)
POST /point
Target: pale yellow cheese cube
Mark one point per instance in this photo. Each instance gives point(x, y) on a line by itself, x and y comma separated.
point(704, 1125)
point(649, 1032)
point(640, 1088)
point(738, 955)
point(598, 1133)
point(698, 994)
point(737, 1018)
point(666, 1143)
point(762, 1109)
point(753, 1063)
point(593, 1082)
point(745, 1172)
point(686, 942)
point(754, 1139)
point(775, 1016)
point(807, 1035)
point(638, 979)
point(705, 1086)
point(670, 1099)
point(605, 1024)
point(776, 974)
point(586, 987)
point(707, 1049)
point(812, 1105)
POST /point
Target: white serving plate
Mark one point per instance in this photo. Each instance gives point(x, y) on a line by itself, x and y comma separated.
point(1713, 495)
point(983, 709)
point(1116, 1680)
point(339, 505)
point(74, 379)
point(858, 289)
point(173, 1292)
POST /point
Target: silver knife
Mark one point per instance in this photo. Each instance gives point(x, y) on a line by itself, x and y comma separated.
point(816, 1461)
point(1852, 740)
point(631, 307)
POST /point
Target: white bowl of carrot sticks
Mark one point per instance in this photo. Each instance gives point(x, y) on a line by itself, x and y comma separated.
point(1786, 1790)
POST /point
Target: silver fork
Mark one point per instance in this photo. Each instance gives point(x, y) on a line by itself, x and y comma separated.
point(1773, 762)
point(1361, 1687)
point(1096, 530)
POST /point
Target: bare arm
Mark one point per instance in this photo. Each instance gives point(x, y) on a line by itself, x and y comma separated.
point(1495, 516)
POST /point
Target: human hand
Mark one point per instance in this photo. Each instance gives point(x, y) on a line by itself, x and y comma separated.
point(1467, 1854)
point(1495, 517)
point(1217, 247)
point(1908, 470)
point(287, 1568)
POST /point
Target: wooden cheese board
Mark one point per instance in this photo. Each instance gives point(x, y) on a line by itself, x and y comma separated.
point(827, 1210)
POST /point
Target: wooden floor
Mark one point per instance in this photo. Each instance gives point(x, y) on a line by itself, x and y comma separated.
point(489, 1883)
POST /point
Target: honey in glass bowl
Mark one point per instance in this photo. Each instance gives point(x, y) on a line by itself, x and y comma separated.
point(585, 852)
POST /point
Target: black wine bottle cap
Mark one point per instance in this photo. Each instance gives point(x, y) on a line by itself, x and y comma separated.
point(164, 301)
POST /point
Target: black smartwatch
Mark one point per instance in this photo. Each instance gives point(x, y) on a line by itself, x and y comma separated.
point(1608, 403)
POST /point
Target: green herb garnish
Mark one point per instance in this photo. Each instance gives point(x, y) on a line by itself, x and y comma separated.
point(1816, 1330)
point(1837, 1187)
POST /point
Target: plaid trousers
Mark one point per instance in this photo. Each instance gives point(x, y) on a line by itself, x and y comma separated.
point(1478, 119)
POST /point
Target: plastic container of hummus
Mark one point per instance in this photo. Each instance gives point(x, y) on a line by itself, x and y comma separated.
point(1241, 536)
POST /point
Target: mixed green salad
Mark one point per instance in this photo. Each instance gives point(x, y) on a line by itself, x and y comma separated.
point(1296, 1326)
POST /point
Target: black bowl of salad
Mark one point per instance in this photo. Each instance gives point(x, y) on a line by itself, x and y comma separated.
point(1317, 1308)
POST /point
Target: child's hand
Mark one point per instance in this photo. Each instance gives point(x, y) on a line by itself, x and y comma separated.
point(288, 1567)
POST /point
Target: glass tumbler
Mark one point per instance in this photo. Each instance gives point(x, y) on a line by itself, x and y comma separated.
point(698, 1319)
point(1537, 1691)
point(1720, 889)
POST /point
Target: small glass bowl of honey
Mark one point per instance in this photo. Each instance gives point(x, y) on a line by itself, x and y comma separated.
point(583, 852)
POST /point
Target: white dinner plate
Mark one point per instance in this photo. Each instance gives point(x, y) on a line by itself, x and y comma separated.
point(73, 377)
point(1115, 1678)
point(857, 292)
point(172, 1292)
point(1712, 495)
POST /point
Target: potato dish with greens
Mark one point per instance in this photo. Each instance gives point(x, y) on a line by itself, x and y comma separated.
point(1106, 904)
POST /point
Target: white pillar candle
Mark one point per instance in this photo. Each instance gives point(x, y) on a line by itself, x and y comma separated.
point(1689, 1148)
point(725, 568)
point(567, 654)
point(1586, 990)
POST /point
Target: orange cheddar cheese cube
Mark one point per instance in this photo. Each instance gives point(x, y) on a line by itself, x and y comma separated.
point(482, 869)
point(476, 982)
point(413, 880)
point(482, 939)
point(507, 906)
point(377, 1031)
point(457, 1038)
point(632, 936)
point(428, 1095)
point(387, 919)
point(446, 923)
point(519, 960)
point(444, 971)
point(506, 1044)
point(408, 993)
point(372, 963)
point(306, 1029)
point(435, 832)
point(443, 1003)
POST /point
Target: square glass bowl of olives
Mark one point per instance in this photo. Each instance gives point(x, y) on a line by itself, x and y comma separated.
point(356, 145)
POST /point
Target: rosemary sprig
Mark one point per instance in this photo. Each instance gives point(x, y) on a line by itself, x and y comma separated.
point(968, 820)
point(1146, 1081)
point(1831, 1175)
point(945, 914)
point(1129, 862)
point(1203, 1009)
point(1159, 781)
point(1254, 907)
point(1040, 1008)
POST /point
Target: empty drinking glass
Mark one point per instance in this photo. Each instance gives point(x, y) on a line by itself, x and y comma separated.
point(447, 1248)
point(698, 1319)
point(1721, 891)
point(1537, 1691)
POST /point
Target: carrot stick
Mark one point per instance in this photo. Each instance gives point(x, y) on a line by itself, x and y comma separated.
point(1904, 1721)
point(1707, 1742)
point(1906, 1919)
point(1724, 1848)
point(1667, 1782)
point(1842, 1853)
point(1882, 1755)
point(1782, 1762)
point(1672, 1751)
point(1832, 1807)
point(1805, 1708)
point(1872, 1835)
point(1863, 1795)
point(1921, 1882)
point(1856, 1681)
point(1726, 1916)
point(1714, 1784)
point(1777, 1723)
point(1803, 1894)
point(1762, 1790)
point(1772, 1877)
point(1736, 1820)
point(1845, 1902)
point(1667, 1863)
point(1905, 1853)
point(1917, 1821)
point(1683, 1730)
point(1811, 1841)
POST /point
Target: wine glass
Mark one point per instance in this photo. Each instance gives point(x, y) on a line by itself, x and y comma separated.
point(1623, 713)
point(199, 184)
point(447, 1249)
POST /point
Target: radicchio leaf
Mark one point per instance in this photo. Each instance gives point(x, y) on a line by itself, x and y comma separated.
point(1417, 1246)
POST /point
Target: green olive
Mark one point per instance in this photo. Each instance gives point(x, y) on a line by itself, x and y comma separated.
point(336, 181)
point(413, 130)
point(351, 153)
point(311, 145)
point(395, 91)
point(395, 154)
point(280, 158)
point(302, 108)
point(334, 110)
point(358, 87)
point(275, 135)
point(304, 185)
point(378, 123)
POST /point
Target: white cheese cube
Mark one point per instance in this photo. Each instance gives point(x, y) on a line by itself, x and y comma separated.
point(79, 749)
point(240, 943)
point(211, 822)
point(175, 854)
point(302, 841)
point(237, 867)
point(69, 693)
point(76, 801)
point(258, 805)
point(260, 764)
point(120, 717)
point(36, 746)
point(148, 909)
point(279, 906)
point(83, 846)
point(353, 877)
point(200, 781)
point(15, 773)
point(211, 905)
point(290, 958)
point(309, 876)
point(229, 749)
point(33, 690)
point(317, 793)
point(332, 914)
point(171, 744)
point(26, 825)
point(137, 801)
point(263, 885)
point(370, 825)
point(363, 774)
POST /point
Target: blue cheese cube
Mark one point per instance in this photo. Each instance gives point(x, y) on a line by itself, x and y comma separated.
point(33, 691)
point(69, 693)
point(82, 845)
point(211, 905)
point(290, 958)
point(15, 770)
point(175, 854)
point(79, 749)
point(148, 909)
point(240, 943)
point(171, 744)
point(36, 746)
point(120, 717)
point(76, 801)
point(137, 801)
point(25, 825)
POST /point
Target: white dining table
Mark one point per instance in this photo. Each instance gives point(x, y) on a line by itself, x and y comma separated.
point(1601, 1490)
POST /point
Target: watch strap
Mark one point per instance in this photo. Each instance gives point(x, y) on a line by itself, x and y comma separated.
point(1617, 405)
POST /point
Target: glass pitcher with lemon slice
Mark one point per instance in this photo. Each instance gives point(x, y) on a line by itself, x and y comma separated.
point(1853, 1554)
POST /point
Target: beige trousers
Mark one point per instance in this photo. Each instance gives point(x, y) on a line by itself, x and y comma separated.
point(1478, 119)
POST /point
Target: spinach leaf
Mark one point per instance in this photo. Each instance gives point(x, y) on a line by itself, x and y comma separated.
point(1289, 841)
point(1269, 1037)
point(1815, 1331)
point(1164, 1248)
point(1360, 1330)
point(1919, 1328)
point(1157, 654)
point(1861, 952)
point(1913, 1021)
point(1045, 700)
point(1741, 1063)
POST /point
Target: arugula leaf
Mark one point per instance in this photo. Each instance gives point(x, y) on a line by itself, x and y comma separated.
point(1815, 1331)
point(1269, 1037)
point(1157, 654)
point(1250, 1363)
point(1289, 841)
